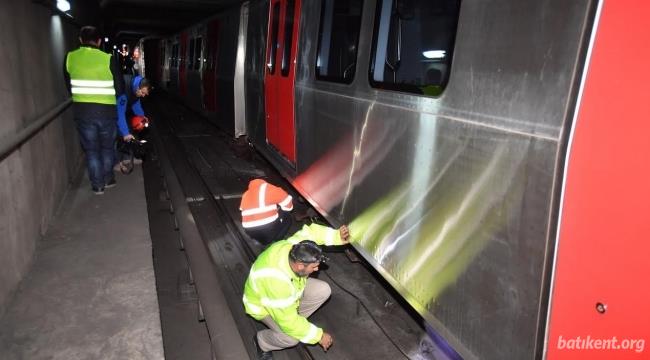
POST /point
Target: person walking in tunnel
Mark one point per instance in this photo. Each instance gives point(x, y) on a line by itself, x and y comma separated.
point(137, 87)
point(280, 293)
point(94, 80)
point(265, 210)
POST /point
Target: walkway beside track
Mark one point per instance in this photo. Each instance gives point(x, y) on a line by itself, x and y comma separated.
point(91, 291)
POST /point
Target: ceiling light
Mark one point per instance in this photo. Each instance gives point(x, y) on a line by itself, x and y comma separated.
point(63, 5)
point(434, 54)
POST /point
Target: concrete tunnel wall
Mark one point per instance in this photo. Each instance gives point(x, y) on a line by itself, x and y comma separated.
point(35, 176)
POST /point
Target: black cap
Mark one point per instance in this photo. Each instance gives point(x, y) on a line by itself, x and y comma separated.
point(307, 252)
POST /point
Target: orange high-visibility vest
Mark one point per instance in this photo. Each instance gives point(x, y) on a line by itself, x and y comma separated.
point(259, 204)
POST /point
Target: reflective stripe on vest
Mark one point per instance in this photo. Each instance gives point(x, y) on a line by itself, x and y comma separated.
point(274, 273)
point(286, 204)
point(254, 308)
point(91, 79)
point(102, 87)
point(270, 273)
point(310, 337)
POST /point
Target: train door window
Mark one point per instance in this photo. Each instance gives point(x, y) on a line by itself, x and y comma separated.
point(177, 61)
point(175, 56)
point(190, 61)
point(172, 57)
point(197, 53)
point(338, 39)
point(288, 36)
point(274, 37)
point(413, 45)
point(162, 55)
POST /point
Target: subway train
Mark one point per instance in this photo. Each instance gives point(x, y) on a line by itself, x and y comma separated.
point(490, 156)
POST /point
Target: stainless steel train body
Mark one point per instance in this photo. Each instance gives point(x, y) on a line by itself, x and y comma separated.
point(452, 196)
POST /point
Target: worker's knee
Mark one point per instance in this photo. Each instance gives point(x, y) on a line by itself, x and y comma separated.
point(320, 289)
point(291, 342)
point(283, 341)
point(327, 290)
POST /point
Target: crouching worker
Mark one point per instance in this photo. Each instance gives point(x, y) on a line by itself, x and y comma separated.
point(265, 211)
point(129, 106)
point(280, 293)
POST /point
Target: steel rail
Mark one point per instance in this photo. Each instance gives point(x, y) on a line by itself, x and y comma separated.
point(225, 339)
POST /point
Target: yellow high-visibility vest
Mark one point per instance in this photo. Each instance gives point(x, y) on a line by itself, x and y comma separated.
point(91, 80)
point(273, 289)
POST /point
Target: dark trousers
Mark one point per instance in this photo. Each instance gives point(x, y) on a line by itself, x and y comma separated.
point(97, 136)
point(274, 231)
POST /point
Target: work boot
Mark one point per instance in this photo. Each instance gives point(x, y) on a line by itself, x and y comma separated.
point(261, 355)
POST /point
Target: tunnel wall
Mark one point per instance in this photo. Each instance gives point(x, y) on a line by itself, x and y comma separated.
point(33, 177)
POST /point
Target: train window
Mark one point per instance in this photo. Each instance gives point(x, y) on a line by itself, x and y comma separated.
point(197, 53)
point(162, 55)
point(413, 45)
point(288, 37)
point(274, 37)
point(338, 39)
point(175, 56)
point(190, 63)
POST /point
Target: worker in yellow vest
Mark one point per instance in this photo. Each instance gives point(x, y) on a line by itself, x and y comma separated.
point(280, 293)
point(95, 82)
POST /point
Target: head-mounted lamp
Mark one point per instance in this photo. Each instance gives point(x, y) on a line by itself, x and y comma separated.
point(307, 252)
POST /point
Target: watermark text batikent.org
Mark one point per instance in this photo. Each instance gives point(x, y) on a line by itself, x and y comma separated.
point(589, 343)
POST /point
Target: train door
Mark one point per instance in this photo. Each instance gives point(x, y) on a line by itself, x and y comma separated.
point(182, 65)
point(173, 67)
point(279, 77)
point(194, 68)
point(210, 66)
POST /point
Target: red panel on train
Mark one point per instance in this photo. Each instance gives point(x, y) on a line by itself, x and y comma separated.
point(280, 76)
point(600, 298)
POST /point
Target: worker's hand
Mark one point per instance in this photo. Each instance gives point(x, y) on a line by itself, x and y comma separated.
point(128, 137)
point(345, 234)
point(326, 341)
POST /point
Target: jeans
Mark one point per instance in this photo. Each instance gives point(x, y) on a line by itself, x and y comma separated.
point(97, 137)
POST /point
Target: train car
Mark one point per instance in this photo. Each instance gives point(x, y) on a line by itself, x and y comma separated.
point(466, 143)
point(193, 67)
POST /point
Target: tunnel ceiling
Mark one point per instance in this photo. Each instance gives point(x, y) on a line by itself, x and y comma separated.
point(129, 20)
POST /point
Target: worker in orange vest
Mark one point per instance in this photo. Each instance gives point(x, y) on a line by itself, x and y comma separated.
point(265, 211)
